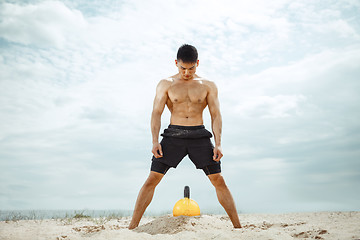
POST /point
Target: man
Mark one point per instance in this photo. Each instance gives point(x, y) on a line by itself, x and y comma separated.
point(186, 96)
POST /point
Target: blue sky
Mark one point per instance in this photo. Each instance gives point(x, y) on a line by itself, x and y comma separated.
point(77, 81)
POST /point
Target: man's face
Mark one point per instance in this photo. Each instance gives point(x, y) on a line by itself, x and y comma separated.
point(187, 70)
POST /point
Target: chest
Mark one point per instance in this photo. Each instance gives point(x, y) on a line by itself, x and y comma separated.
point(194, 93)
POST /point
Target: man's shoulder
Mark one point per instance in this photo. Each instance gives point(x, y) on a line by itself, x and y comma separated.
point(166, 81)
point(208, 83)
point(164, 84)
point(203, 80)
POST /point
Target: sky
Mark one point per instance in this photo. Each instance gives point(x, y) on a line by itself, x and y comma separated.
point(78, 79)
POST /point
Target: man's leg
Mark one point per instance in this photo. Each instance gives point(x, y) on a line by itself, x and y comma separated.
point(144, 198)
point(225, 198)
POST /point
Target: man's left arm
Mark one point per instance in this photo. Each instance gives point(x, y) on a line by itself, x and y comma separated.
point(216, 121)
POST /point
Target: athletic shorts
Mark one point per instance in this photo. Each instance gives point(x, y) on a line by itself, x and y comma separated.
point(180, 141)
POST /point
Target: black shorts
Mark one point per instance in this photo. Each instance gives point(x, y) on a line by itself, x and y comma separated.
point(160, 167)
point(179, 141)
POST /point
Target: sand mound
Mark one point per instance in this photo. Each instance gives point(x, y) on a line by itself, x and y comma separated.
point(167, 225)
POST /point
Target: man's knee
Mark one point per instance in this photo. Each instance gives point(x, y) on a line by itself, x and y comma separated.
point(217, 180)
point(153, 179)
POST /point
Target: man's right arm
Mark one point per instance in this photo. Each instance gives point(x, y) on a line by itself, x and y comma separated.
point(158, 108)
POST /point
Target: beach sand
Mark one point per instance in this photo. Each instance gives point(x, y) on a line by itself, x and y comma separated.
point(318, 225)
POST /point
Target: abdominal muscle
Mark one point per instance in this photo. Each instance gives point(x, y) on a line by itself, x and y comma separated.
point(186, 116)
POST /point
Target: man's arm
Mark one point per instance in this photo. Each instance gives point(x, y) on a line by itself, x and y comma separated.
point(216, 120)
point(158, 108)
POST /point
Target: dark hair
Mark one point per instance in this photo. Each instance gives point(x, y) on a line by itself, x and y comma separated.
point(187, 54)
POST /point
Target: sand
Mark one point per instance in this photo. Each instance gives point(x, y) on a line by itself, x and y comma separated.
point(319, 225)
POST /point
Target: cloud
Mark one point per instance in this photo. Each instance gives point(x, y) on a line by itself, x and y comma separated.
point(270, 107)
point(48, 23)
point(314, 143)
point(78, 80)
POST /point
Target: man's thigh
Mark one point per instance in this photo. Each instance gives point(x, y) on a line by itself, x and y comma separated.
point(201, 152)
point(174, 150)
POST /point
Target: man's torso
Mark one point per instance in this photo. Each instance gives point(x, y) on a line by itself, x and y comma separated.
point(187, 100)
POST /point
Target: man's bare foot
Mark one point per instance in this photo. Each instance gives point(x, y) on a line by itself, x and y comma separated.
point(131, 227)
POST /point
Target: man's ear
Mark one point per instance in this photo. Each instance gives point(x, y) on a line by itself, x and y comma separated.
point(176, 62)
point(197, 63)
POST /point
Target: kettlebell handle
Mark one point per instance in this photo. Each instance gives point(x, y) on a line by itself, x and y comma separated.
point(187, 192)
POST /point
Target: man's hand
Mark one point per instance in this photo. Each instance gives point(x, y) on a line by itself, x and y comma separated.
point(217, 153)
point(156, 150)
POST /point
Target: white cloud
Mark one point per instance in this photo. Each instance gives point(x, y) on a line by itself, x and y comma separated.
point(270, 107)
point(78, 89)
point(338, 26)
point(48, 23)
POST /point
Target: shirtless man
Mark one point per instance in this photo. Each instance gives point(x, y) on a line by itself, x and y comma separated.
point(186, 96)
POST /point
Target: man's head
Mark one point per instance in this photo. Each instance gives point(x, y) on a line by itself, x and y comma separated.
point(187, 54)
point(187, 61)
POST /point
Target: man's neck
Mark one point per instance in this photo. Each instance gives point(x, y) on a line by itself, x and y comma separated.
point(178, 77)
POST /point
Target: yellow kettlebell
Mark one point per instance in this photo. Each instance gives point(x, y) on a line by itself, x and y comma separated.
point(186, 206)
